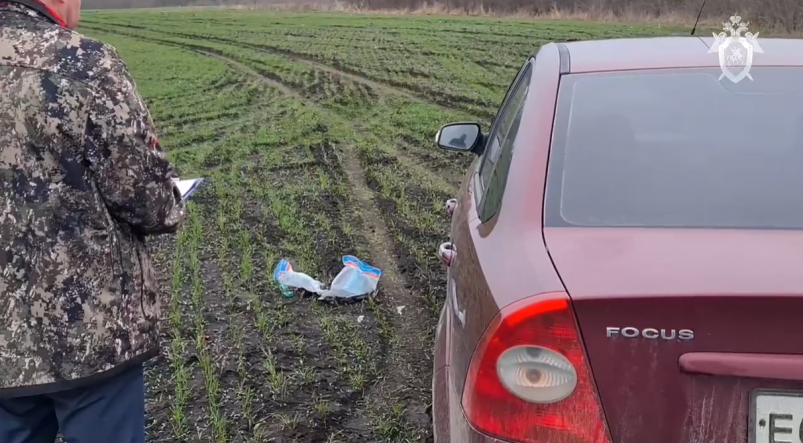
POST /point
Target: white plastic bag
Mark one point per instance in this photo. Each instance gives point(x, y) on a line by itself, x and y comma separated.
point(287, 278)
point(357, 278)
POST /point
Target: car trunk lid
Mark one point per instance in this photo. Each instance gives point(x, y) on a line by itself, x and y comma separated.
point(739, 291)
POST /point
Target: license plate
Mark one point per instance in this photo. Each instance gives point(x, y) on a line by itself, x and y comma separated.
point(776, 417)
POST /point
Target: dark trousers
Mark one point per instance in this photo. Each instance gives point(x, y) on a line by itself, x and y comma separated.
point(112, 411)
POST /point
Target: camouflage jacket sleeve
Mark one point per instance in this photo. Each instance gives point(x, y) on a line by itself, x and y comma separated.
point(131, 172)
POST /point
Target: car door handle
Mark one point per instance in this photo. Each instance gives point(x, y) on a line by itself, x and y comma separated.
point(769, 366)
point(447, 253)
point(451, 205)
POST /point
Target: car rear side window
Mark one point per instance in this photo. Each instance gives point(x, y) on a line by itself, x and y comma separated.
point(499, 148)
point(678, 148)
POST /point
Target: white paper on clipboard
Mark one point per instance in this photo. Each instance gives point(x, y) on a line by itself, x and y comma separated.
point(187, 187)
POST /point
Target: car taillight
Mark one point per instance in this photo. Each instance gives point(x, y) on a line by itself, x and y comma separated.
point(529, 380)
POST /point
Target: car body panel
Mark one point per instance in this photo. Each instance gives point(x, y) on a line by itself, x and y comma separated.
point(700, 262)
point(739, 291)
point(470, 306)
point(442, 339)
point(671, 52)
point(489, 253)
point(479, 279)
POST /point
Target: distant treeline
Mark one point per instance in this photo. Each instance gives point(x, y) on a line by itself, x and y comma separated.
point(784, 15)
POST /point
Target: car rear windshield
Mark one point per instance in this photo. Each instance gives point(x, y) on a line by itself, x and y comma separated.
point(678, 148)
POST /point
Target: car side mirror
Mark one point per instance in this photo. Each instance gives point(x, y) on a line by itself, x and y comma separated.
point(460, 137)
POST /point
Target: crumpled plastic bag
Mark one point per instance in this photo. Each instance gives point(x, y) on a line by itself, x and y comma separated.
point(356, 279)
point(287, 278)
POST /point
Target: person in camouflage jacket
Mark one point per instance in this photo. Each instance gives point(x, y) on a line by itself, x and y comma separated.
point(82, 180)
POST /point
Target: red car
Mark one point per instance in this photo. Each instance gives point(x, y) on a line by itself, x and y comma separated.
point(626, 255)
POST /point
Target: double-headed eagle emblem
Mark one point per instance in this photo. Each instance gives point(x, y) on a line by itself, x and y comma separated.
point(734, 49)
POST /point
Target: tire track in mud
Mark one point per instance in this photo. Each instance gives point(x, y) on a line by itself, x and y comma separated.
point(448, 102)
point(436, 32)
point(404, 350)
point(444, 179)
point(208, 52)
point(400, 381)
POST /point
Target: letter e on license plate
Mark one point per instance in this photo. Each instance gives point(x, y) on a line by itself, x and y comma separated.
point(776, 417)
